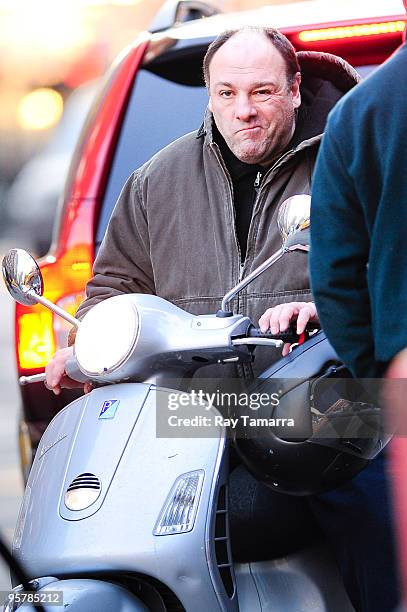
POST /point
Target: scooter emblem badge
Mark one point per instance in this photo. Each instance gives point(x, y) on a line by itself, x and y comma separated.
point(109, 408)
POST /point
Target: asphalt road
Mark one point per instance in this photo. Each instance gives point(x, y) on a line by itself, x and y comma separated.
point(11, 486)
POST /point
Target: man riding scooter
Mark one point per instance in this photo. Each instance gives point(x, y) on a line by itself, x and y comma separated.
point(217, 192)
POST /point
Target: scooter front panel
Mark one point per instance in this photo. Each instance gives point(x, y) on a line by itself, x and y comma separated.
point(136, 470)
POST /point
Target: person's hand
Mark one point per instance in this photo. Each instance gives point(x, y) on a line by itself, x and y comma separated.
point(56, 377)
point(278, 319)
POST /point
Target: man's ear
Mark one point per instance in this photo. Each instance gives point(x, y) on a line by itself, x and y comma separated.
point(295, 90)
point(210, 104)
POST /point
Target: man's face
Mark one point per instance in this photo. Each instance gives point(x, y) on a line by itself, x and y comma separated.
point(251, 101)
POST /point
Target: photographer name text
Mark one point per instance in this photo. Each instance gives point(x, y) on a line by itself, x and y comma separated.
point(220, 421)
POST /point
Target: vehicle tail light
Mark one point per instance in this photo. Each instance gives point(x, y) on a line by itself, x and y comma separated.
point(35, 343)
point(347, 32)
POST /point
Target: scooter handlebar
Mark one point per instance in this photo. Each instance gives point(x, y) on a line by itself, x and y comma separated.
point(290, 335)
point(71, 369)
point(27, 380)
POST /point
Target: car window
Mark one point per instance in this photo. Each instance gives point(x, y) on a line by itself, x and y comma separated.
point(160, 110)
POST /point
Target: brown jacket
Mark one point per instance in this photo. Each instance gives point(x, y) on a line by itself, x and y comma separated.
point(172, 232)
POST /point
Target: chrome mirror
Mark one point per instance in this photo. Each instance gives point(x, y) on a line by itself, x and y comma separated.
point(293, 219)
point(22, 277)
point(23, 280)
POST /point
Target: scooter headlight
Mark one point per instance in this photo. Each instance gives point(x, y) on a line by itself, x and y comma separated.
point(179, 511)
point(107, 336)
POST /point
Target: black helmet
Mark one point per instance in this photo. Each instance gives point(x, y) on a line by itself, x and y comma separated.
point(322, 430)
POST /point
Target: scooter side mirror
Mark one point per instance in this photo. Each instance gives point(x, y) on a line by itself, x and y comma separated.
point(23, 280)
point(293, 222)
point(22, 277)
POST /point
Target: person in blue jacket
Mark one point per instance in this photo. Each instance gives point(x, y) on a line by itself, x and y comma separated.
point(358, 266)
point(358, 258)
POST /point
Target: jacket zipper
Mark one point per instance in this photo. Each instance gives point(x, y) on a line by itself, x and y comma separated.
point(228, 180)
point(258, 188)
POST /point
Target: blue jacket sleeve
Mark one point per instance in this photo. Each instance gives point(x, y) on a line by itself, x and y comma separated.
point(339, 255)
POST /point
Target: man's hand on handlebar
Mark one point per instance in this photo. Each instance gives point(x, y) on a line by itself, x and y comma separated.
point(56, 377)
point(278, 319)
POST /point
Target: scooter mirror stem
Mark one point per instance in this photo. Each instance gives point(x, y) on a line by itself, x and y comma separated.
point(59, 311)
point(293, 222)
point(224, 312)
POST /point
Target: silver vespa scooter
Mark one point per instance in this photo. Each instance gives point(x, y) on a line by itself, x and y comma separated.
point(120, 514)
